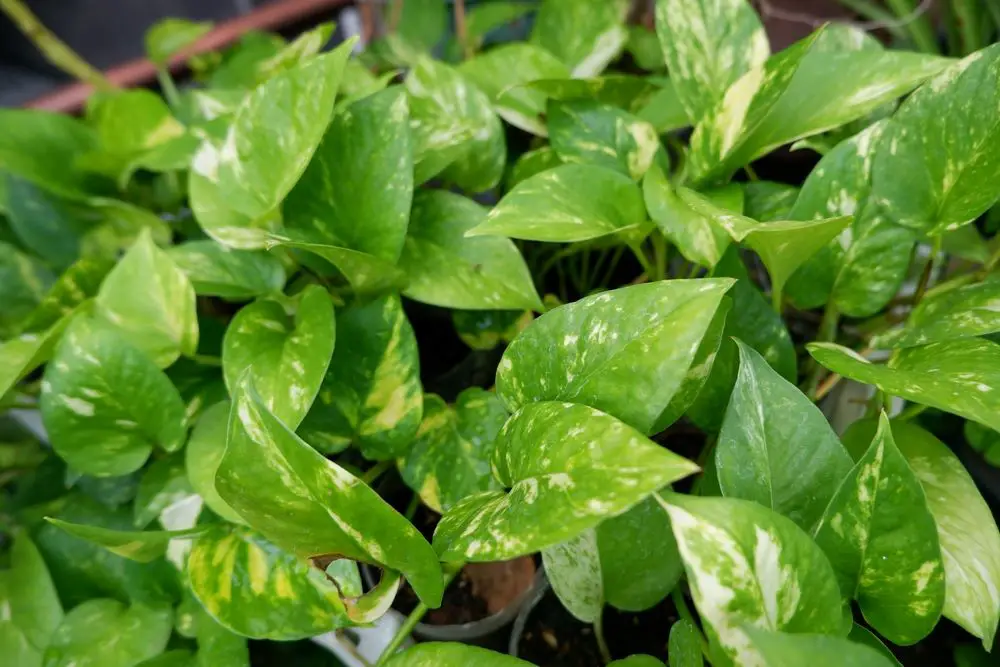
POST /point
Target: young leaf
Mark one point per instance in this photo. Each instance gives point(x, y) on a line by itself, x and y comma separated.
point(203, 454)
point(748, 566)
point(573, 202)
point(287, 354)
point(601, 135)
point(310, 506)
point(881, 539)
point(455, 130)
point(105, 404)
point(684, 645)
point(693, 232)
point(150, 300)
point(707, 46)
point(362, 171)
point(32, 607)
point(962, 312)
point(107, 633)
point(942, 165)
point(625, 352)
point(447, 269)
point(640, 563)
point(500, 73)
point(568, 467)
point(970, 542)
point(584, 35)
point(450, 456)
point(236, 186)
point(452, 654)
point(371, 392)
point(957, 376)
point(168, 36)
point(573, 568)
point(776, 447)
point(215, 270)
point(781, 649)
point(255, 589)
point(140, 546)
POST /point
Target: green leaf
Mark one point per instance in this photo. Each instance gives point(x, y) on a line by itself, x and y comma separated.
point(76, 284)
point(215, 270)
point(624, 91)
point(970, 542)
point(862, 635)
point(684, 645)
point(882, 541)
point(107, 633)
point(365, 273)
point(644, 47)
point(310, 506)
point(43, 147)
point(22, 355)
point(501, 73)
point(452, 654)
point(776, 447)
point(287, 353)
point(164, 484)
point(31, 605)
point(481, 20)
point(966, 243)
point(168, 36)
point(173, 658)
point(962, 312)
point(584, 35)
point(748, 566)
point(140, 546)
point(236, 186)
point(573, 569)
point(371, 393)
point(204, 453)
point(637, 661)
point(573, 202)
point(781, 649)
point(707, 46)
point(640, 563)
point(129, 123)
point(625, 352)
point(568, 467)
point(25, 281)
point(300, 50)
point(455, 130)
point(530, 163)
point(50, 226)
point(217, 645)
point(362, 171)
point(105, 404)
point(753, 321)
point(602, 135)
point(664, 110)
point(151, 301)
point(690, 230)
point(956, 376)
point(768, 200)
point(423, 23)
point(942, 165)
point(450, 456)
point(485, 329)
point(447, 269)
point(255, 589)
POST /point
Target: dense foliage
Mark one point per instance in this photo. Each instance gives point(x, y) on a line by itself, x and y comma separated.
point(207, 298)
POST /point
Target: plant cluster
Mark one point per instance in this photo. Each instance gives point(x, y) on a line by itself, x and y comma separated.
point(207, 298)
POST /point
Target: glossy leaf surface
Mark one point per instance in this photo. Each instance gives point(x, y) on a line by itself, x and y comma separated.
point(203, 454)
point(573, 569)
point(601, 135)
point(215, 270)
point(109, 634)
point(963, 312)
point(781, 649)
point(33, 610)
point(140, 546)
point(583, 35)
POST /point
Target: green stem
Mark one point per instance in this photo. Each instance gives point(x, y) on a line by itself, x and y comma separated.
point(602, 643)
point(751, 174)
point(643, 260)
point(206, 359)
point(450, 571)
point(874, 12)
point(375, 472)
point(969, 28)
point(54, 49)
point(461, 31)
point(169, 88)
point(776, 298)
point(609, 272)
point(919, 27)
point(827, 333)
point(685, 612)
point(912, 411)
point(395, 15)
point(411, 509)
point(659, 255)
point(925, 277)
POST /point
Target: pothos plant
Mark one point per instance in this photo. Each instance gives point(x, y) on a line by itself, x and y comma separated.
point(203, 298)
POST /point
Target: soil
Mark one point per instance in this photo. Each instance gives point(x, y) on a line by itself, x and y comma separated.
point(552, 637)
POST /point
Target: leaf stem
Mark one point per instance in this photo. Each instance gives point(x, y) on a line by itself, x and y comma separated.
point(659, 254)
point(54, 49)
point(168, 87)
point(911, 411)
point(925, 277)
point(450, 572)
point(643, 260)
point(375, 472)
point(206, 359)
point(827, 333)
point(461, 30)
point(602, 643)
point(395, 15)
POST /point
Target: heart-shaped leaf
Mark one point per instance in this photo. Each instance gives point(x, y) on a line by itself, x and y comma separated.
point(573, 202)
point(684, 645)
point(140, 546)
point(584, 35)
point(107, 633)
point(776, 447)
point(568, 467)
point(625, 352)
point(601, 135)
point(371, 393)
point(962, 312)
point(881, 538)
point(105, 405)
point(287, 354)
point(310, 506)
point(447, 269)
point(33, 610)
point(450, 456)
point(215, 270)
point(21, 355)
point(573, 568)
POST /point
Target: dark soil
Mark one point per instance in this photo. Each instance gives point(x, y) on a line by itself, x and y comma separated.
point(554, 638)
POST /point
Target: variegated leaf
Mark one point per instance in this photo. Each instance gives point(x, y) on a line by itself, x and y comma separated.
point(107, 633)
point(781, 649)
point(573, 568)
point(140, 546)
point(203, 454)
point(21, 355)
point(77, 283)
point(215, 270)
point(584, 35)
point(601, 135)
